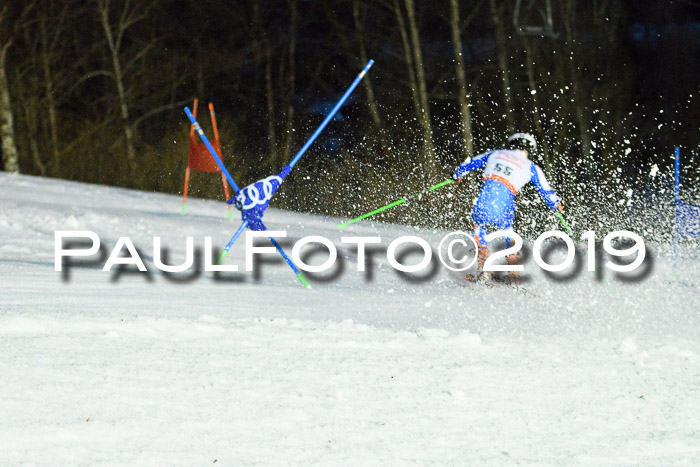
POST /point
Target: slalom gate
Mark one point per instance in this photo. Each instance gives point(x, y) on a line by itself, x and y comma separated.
point(198, 157)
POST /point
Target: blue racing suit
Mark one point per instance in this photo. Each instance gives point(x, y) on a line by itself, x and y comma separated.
point(505, 173)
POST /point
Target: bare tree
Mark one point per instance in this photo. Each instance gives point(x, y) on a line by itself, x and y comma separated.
point(28, 88)
point(536, 113)
point(416, 73)
point(7, 126)
point(408, 56)
point(353, 40)
point(114, 33)
point(502, 55)
point(424, 116)
point(49, 41)
point(289, 136)
point(367, 83)
point(462, 95)
point(580, 111)
point(262, 47)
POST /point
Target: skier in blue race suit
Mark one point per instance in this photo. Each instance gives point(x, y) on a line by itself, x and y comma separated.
point(506, 171)
point(254, 199)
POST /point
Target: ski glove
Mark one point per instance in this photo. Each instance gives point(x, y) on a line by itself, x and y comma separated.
point(236, 203)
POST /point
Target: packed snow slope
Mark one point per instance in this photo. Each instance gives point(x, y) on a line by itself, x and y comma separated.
point(364, 368)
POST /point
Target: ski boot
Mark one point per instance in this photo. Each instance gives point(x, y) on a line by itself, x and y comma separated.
point(513, 277)
point(480, 275)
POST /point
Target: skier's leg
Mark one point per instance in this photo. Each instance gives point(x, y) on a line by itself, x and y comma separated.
point(482, 244)
point(484, 213)
point(495, 208)
point(512, 259)
point(482, 252)
point(508, 229)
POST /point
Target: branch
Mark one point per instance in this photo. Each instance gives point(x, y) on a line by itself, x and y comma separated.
point(59, 25)
point(86, 77)
point(158, 110)
point(83, 135)
point(18, 25)
point(141, 53)
point(126, 21)
point(467, 21)
point(103, 9)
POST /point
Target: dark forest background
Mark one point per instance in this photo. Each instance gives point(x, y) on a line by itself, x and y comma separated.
point(94, 90)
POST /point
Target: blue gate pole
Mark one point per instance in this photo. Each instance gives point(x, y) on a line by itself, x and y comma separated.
point(676, 198)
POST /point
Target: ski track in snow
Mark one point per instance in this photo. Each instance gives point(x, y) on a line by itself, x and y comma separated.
point(136, 369)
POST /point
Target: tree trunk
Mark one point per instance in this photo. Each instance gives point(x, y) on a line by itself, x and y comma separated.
point(409, 58)
point(530, 67)
point(502, 55)
point(367, 83)
point(119, 80)
point(7, 130)
point(262, 47)
point(271, 120)
point(462, 96)
point(581, 118)
point(31, 119)
point(48, 90)
point(289, 137)
point(424, 116)
point(28, 91)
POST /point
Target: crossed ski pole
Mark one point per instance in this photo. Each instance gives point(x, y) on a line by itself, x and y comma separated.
point(296, 158)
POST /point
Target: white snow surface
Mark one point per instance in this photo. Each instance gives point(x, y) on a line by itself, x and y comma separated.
point(364, 369)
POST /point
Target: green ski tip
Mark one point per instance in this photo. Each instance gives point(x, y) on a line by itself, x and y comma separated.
point(184, 206)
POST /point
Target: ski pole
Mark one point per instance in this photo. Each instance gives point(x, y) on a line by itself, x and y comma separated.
point(231, 242)
point(561, 219)
point(331, 113)
point(218, 161)
point(397, 202)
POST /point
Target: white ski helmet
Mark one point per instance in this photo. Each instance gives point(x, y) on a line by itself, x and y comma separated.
point(523, 141)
